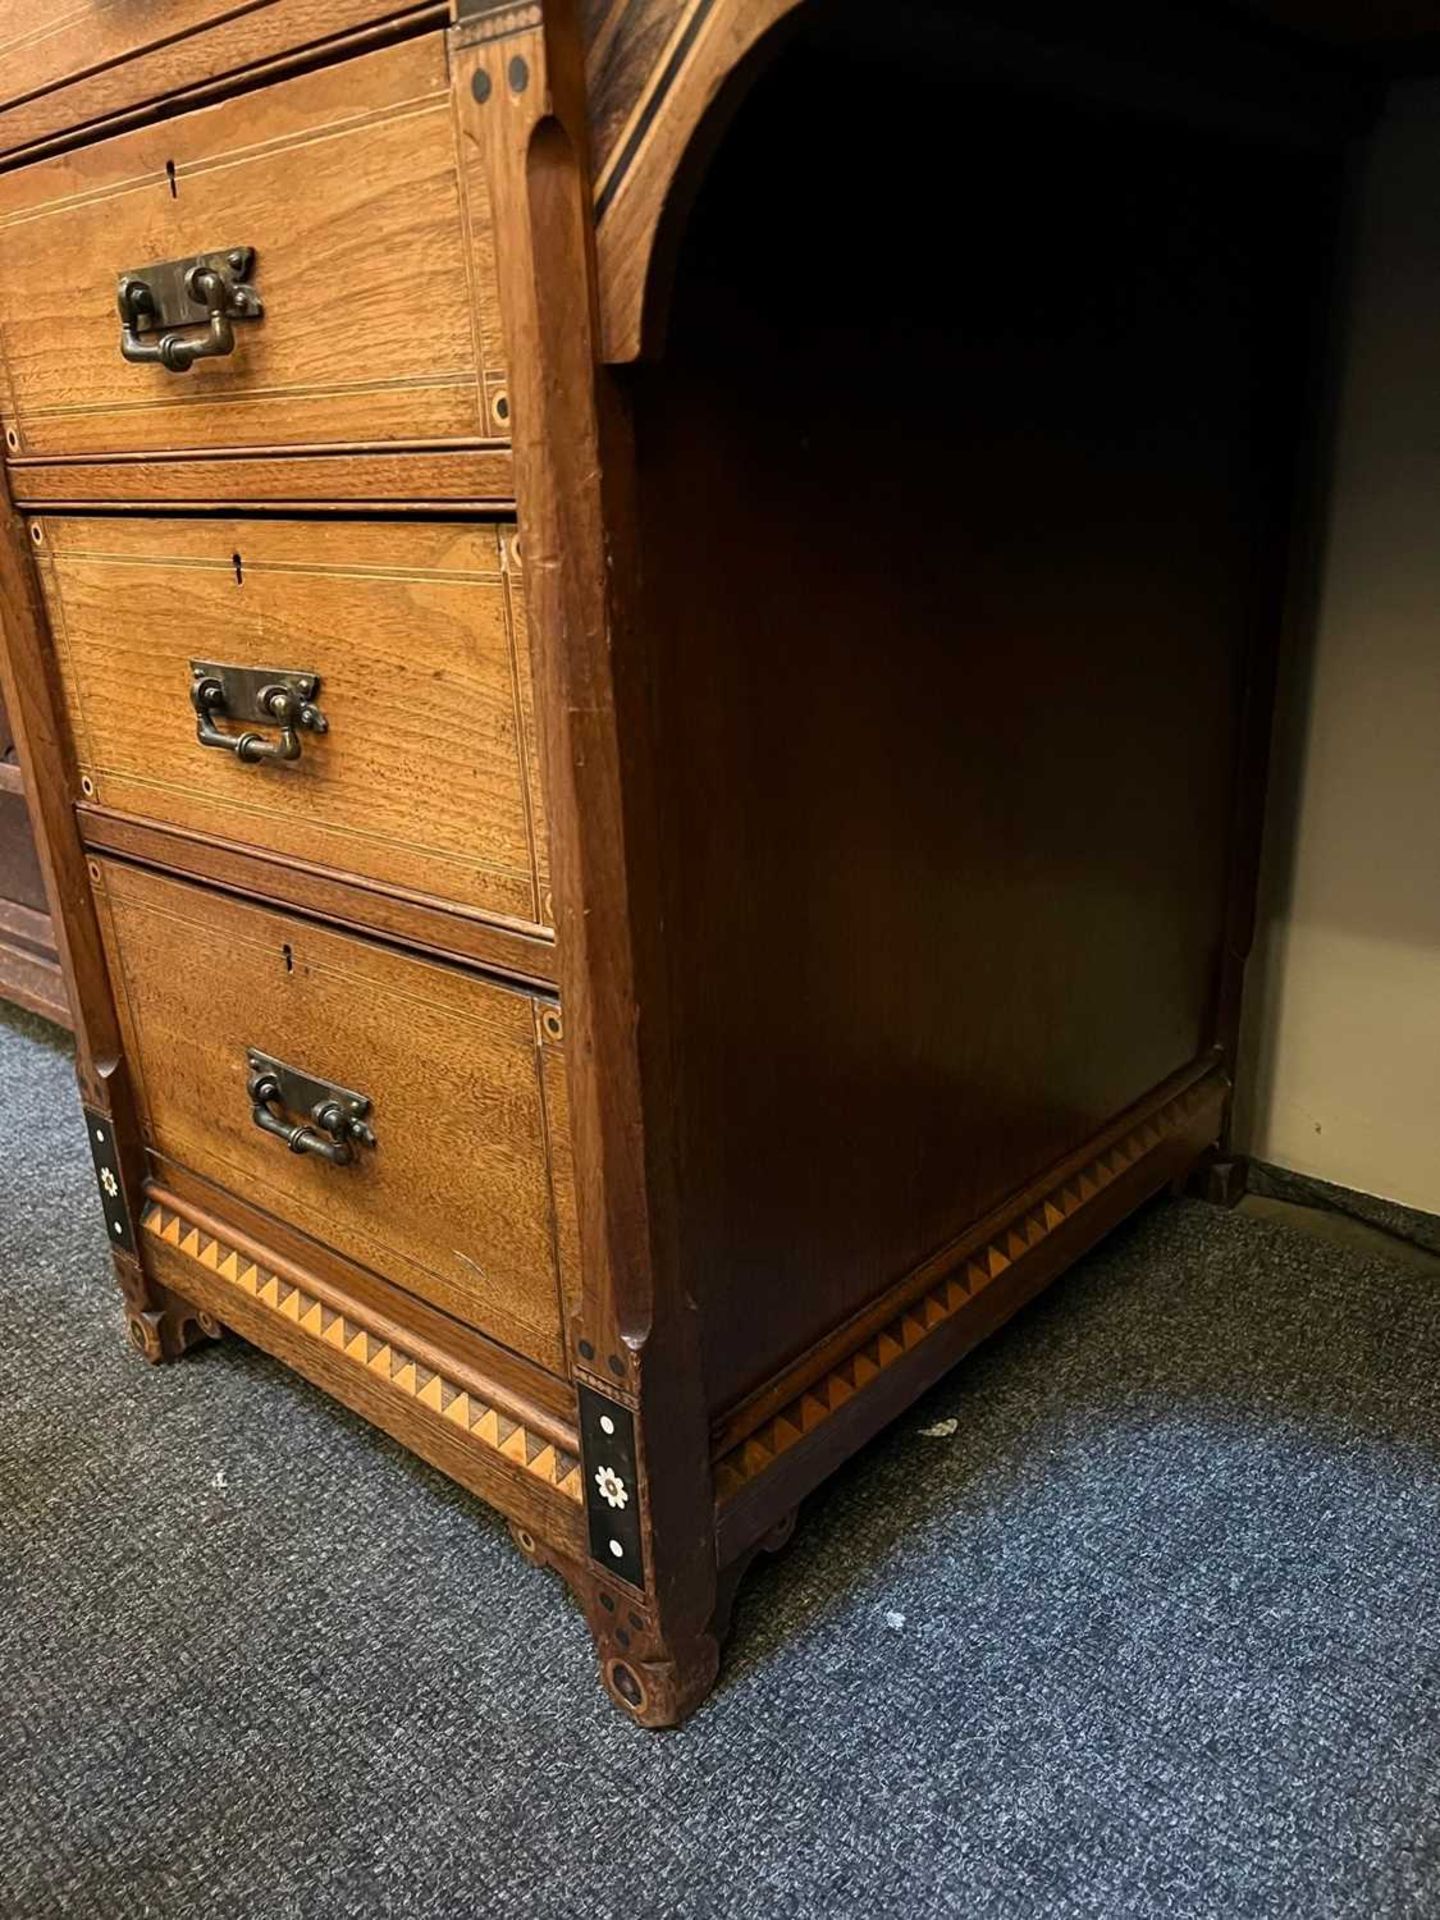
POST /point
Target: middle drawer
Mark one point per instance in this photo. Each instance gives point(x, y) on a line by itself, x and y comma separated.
point(425, 776)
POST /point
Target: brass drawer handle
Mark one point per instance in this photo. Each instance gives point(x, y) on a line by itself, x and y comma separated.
point(208, 289)
point(335, 1125)
point(267, 696)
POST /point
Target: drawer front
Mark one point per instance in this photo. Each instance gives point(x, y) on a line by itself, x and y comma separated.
point(425, 778)
point(371, 261)
point(456, 1199)
point(65, 63)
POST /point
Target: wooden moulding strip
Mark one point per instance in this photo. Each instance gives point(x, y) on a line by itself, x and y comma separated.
point(301, 449)
point(521, 952)
point(476, 478)
point(297, 506)
point(848, 1387)
point(246, 1276)
point(102, 101)
point(25, 927)
point(32, 980)
point(30, 974)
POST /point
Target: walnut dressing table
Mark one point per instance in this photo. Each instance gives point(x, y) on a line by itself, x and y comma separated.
point(642, 641)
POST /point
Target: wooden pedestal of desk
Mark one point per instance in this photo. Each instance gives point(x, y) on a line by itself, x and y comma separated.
point(792, 645)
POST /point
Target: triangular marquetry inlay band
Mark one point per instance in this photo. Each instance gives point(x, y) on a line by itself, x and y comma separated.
point(533, 1453)
point(980, 1267)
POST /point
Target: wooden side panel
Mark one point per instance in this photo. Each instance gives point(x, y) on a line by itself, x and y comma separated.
point(455, 1202)
point(30, 974)
point(20, 879)
point(347, 185)
point(654, 71)
point(29, 966)
point(425, 779)
point(772, 1452)
point(952, 597)
point(626, 43)
point(69, 62)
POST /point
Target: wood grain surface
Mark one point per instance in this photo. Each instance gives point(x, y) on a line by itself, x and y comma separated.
point(658, 71)
point(66, 64)
point(520, 100)
point(949, 741)
point(437, 929)
point(20, 879)
point(189, 1262)
point(372, 260)
point(29, 965)
point(427, 776)
point(456, 1201)
point(340, 479)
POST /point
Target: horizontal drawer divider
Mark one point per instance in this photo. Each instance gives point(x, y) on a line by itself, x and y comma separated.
point(301, 507)
point(519, 957)
point(454, 480)
point(206, 87)
point(311, 451)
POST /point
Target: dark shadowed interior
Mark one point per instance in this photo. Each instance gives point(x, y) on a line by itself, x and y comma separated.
point(964, 474)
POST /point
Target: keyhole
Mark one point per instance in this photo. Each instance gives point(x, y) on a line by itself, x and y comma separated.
point(170, 176)
point(236, 562)
point(289, 959)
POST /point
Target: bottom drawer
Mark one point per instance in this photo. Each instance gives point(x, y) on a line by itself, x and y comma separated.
point(462, 1196)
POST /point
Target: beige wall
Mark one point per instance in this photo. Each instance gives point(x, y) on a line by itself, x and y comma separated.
point(1342, 1056)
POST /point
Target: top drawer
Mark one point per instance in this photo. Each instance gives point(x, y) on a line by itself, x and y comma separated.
point(371, 260)
point(66, 63)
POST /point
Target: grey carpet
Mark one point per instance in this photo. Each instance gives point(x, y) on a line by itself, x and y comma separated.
point(1404, 1224)
point(1153, 1631)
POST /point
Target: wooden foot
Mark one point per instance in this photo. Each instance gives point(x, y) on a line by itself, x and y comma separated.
point(657, 1682)
point(1221, 1182)
point(658, 1679)
point(661, 1682)
point(159, 1324)
point(730, 1577)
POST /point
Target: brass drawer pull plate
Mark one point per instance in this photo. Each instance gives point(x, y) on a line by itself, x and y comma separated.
point(335, 1123)
point(261, 696)
point(207, 289)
